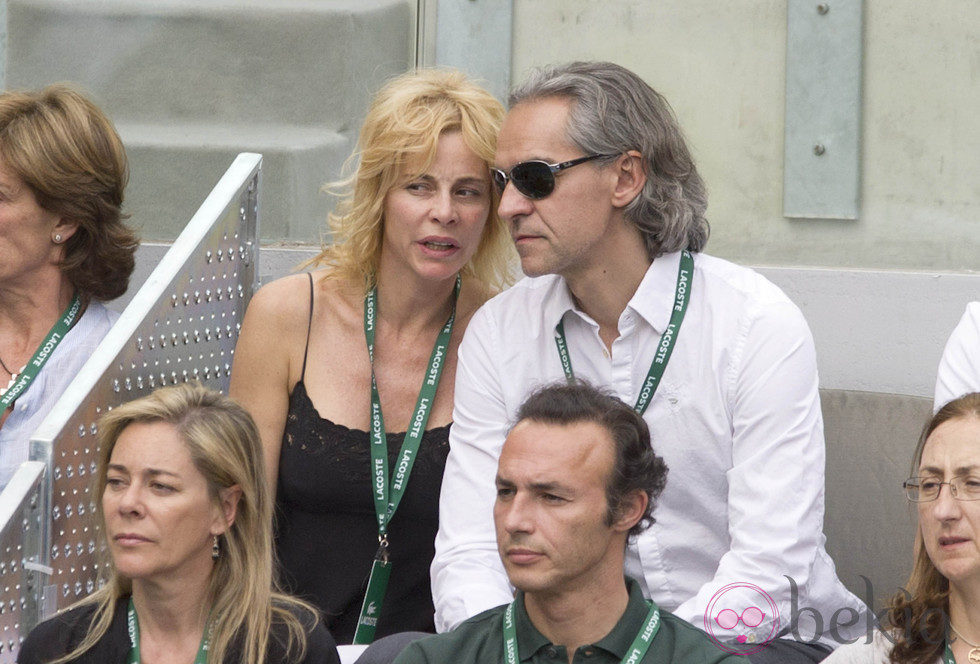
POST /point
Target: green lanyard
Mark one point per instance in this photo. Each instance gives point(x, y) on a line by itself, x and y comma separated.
point(43, 352)
point(638, 649)
point(134, 639)
point(948, 655)
point(667, 340)
point(387, 495)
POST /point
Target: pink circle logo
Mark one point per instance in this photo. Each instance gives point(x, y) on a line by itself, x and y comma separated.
point(755, 606)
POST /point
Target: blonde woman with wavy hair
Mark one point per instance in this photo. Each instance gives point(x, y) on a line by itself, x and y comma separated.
point(367, 343)
point(187, 517)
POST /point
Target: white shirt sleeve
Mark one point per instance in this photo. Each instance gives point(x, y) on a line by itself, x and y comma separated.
point(467, 575)
point(776, 482)
point(877, 651)
point(959, 368)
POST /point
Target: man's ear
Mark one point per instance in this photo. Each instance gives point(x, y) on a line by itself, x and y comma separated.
point(631, 176)
point(630, 511)
point(228, 504)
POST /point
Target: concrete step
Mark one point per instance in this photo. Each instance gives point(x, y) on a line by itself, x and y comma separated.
point(313, 62)
point(173, 167)
point(191, 83)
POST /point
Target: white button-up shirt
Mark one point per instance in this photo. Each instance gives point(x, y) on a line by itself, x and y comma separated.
point(736, 417)
point(33, 406)
point(959, 368)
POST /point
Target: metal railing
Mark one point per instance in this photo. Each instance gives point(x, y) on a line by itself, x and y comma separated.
point(182, 325)
point(23, 515)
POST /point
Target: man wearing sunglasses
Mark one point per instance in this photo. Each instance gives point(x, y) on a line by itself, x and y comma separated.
point(607, 212)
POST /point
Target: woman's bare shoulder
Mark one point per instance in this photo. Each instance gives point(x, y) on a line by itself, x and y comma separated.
point(282, 303)
point(340, 298)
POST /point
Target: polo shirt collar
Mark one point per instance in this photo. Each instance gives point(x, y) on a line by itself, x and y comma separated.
point(654, 298)
point(617, 642)
point(529, 639)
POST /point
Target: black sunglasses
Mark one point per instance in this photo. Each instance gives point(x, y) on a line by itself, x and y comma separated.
point(536, 179)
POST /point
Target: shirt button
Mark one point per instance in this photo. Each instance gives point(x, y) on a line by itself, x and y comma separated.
point(605, 353)
point(588, 652)
point(551, 652)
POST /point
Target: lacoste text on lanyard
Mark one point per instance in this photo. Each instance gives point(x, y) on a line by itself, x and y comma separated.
point(43, 352)
point(682, 296)
point(134, 639)
point(388, 495)
point(638, 649)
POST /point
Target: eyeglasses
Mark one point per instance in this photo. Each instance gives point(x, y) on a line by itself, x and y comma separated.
point(536, 179)
point(923, 489)
point(751, 617)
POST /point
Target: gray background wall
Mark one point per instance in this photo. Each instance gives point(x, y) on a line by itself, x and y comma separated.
point(722, 67)
point(190, 83)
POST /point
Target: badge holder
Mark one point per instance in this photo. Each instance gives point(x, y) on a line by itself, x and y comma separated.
point(377, 585)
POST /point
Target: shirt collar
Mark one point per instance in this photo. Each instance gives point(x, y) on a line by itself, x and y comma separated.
point(617, 642)
point(529, 639)
point(557, 304)
point(654, 298)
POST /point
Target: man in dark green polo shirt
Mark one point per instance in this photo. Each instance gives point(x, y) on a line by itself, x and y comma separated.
point(576, 477)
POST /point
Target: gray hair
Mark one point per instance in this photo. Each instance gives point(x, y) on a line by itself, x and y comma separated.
point(613, 111)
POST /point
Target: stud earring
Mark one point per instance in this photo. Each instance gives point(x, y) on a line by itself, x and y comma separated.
point(215, 549)
point(57, 238)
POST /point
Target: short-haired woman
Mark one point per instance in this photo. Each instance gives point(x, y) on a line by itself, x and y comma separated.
point(63, 250)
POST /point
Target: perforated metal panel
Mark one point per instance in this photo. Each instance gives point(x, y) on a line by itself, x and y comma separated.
point(22, 513)
point(182, 325)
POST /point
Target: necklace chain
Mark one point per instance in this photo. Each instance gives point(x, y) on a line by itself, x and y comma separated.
point(4, 365)
point(957, 633)
point(974, 654)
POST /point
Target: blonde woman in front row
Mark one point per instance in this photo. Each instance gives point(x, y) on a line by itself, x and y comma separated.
point(186, 516)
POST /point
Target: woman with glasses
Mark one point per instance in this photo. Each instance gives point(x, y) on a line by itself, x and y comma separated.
point(938, 621)
point(185, 516)
point(349, 370)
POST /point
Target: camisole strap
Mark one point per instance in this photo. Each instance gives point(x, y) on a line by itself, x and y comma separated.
point(309, 326)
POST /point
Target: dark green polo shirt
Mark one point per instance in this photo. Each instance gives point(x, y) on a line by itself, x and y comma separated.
point(480, 640)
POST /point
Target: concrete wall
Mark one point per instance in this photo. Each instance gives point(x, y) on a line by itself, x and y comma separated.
point(869, 524)
point(722, 66)
point(191, 83)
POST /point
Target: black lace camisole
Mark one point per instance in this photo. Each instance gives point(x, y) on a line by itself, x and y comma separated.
point(326, 530)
